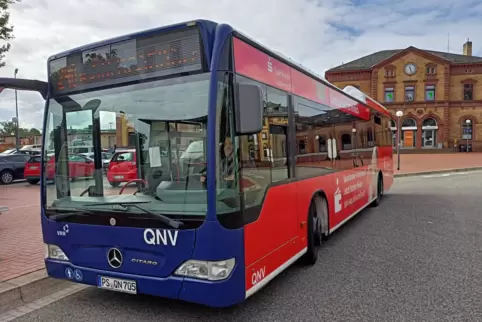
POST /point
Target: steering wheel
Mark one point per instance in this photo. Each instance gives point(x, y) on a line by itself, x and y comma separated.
point(129, 182)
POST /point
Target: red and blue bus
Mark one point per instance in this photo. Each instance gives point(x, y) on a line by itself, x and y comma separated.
point(246, 162)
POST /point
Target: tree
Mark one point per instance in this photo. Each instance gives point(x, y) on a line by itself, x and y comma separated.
point(8, 128)
point(6, 30)
point(34, 131)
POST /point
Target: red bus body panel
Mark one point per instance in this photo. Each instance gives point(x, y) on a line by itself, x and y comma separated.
point(279, 236)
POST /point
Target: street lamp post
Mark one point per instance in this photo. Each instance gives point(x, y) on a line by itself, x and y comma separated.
point(17, 134)
point(467, 122)
point(399, 114)
point(317, 138)
point(355, 141)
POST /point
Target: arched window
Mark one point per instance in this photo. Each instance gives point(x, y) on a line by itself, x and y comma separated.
point(346, 142)
point(265, 150)
point(252, 152)
point(429, 133)
point(370, 138)
point(409, 123)
point(467, 127)
point(322, 144)
point(409, 133)
point(301, 147)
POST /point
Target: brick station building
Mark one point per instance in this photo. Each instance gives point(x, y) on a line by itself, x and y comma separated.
point(439, 93)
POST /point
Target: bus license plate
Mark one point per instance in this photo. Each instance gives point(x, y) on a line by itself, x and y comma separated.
point(116, 284)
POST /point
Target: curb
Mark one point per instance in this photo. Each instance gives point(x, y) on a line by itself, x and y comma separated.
point(414, 174)
point(28, 288)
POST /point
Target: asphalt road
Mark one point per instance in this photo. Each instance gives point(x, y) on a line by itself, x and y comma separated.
point(418, 257)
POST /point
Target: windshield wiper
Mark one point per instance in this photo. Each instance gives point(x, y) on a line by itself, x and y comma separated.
point(168, 221)
point(66, 213)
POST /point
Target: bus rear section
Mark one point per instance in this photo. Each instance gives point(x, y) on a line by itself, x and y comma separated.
point(322, 156)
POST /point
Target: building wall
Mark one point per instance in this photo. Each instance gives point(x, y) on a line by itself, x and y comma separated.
point(449, 109)
point(419, 80)
point(456, 86)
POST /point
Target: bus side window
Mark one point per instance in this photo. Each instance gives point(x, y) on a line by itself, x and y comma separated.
point(264, 156)
point(279, 152)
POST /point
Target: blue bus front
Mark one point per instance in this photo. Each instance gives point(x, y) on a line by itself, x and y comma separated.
point(165, 94)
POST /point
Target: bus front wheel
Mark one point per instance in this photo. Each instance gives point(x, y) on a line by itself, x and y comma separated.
point(316, 228)
point(377, 201)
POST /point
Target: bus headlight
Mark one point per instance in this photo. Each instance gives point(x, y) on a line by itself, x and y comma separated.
point(54, 252)
point(206, 270)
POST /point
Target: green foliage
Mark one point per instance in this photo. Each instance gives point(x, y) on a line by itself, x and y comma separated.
point(8, 127)
point(6, 30)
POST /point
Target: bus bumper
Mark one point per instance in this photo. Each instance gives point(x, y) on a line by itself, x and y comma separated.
point(214, 294)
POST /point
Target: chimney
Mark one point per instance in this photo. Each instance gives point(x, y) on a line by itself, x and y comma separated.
point(468, 48)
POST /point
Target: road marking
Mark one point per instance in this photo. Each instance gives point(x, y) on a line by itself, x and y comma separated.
point(441, 175)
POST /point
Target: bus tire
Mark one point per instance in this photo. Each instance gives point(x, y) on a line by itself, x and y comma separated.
point(316, 228)
point(377, 201)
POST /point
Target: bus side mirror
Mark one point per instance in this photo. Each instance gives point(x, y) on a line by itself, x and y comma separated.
point(248, 106)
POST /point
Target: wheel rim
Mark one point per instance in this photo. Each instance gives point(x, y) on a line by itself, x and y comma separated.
point(323, 217)
point(380, 188)
point(320, 210)
point(7, 177)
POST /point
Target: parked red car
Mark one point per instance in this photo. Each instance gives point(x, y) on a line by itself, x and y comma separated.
point(79, 166)
point(32, 169)
point(122, 167)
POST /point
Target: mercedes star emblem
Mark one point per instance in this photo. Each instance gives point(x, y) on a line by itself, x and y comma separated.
point(114, 257)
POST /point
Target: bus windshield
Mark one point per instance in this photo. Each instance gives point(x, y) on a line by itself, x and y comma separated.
point(161, 122)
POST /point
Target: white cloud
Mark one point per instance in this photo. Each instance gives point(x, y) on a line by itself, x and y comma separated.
point(319, 34)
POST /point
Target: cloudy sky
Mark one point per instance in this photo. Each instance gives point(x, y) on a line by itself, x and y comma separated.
point(318, 33)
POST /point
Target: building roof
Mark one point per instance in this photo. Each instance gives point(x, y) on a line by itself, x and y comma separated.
point(371, 60)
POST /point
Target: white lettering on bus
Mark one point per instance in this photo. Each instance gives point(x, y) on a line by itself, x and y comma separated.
point(258, 276)
point(160, 236)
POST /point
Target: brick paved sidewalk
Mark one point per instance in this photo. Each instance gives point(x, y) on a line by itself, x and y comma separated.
point(21, 242)
point(21, 245)
point(415, 163)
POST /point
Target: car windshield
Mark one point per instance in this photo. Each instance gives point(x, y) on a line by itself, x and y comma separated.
point(156, 121)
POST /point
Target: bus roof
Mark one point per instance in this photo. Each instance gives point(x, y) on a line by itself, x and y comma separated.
point(202, 22)
point(209, 26)
point(371, 103)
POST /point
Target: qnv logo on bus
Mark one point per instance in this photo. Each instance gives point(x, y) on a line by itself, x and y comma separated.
point(160, 236)
point(258, 276)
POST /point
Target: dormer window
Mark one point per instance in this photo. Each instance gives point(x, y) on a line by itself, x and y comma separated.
point(431, 69)
point(390, 71)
